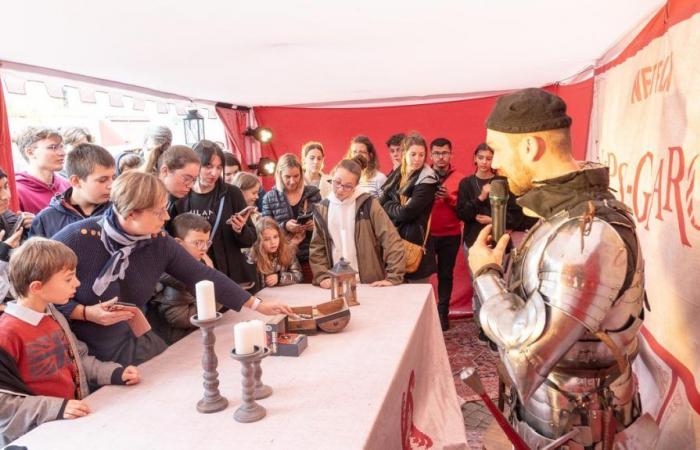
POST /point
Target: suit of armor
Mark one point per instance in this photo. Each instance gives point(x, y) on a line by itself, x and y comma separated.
point(566, 317)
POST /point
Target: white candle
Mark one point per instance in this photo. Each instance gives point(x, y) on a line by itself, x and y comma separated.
point(206, 300)
point(259, 326)
point(245, 336)
point(344, 244)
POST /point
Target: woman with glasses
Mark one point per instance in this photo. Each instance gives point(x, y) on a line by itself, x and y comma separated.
point(221, 204)
point(372, 179)
point(121, 256)
point(408, 199)
point(352, 224)
point(312, 156)
point(290, 203)
point(178, 169)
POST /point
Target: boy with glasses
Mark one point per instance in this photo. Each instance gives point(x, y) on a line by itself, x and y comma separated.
point(446, 228)
point(90, 169)
point(42, 149)
point(172, 305)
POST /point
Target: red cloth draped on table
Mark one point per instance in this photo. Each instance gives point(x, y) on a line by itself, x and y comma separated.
point(460, 121)
point(6, 151)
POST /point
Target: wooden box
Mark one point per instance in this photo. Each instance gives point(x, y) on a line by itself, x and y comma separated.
point(304, 322)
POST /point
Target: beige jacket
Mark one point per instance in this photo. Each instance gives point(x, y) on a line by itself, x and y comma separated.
point(380, 252)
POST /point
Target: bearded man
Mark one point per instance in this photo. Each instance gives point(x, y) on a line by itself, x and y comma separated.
point(566, 316)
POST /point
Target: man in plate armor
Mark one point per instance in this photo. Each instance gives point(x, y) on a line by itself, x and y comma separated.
point(567, 315)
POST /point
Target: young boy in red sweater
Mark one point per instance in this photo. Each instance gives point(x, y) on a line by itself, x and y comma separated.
point(44, 369)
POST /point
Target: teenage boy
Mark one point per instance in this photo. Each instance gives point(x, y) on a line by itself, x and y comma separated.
point(45, 371)
point(42, 149)
point(173, 305)
point(90, 170)
point(394, 146)
point(446, 229)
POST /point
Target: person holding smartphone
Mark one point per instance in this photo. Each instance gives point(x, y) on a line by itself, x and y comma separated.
point(10, 235)
point(289, 203)
point(223, 205)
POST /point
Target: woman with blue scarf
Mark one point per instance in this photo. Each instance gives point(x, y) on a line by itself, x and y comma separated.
point(122, 255)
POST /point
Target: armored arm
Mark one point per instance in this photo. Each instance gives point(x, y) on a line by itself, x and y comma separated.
point(571, 281)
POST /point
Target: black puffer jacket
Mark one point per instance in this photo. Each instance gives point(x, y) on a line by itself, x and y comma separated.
point(276, 205)
point(411, 219)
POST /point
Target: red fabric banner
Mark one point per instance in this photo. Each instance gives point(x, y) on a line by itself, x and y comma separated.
point(6, 151)
point(235, 123)
point(460, 121)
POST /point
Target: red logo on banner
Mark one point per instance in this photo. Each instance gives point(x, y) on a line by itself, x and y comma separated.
point(671, 190)
point(652, 79)
point(411, 437)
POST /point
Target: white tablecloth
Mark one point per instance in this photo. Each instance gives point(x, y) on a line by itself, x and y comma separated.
point(384, 382)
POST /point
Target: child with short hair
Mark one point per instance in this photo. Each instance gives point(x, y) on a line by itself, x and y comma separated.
point(172, 305)
point(90, 170)
point(44, 369)
point(273, 256)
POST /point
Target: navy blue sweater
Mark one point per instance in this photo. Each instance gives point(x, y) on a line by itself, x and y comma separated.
point(59, 214)
point(146, 264)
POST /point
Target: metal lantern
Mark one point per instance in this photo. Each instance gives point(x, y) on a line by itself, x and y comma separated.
point(344, 282)
point(194, 127)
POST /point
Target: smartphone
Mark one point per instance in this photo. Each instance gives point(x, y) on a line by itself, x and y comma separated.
point(121, 305)
point(18, 224)
point(304, 218)
point(246, 210)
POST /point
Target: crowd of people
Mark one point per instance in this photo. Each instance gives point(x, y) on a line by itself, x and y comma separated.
point(96, 230)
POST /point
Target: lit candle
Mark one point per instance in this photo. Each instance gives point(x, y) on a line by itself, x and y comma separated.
point(245, 337)
point(206, 300)
point(259, 326)
point(344, 244)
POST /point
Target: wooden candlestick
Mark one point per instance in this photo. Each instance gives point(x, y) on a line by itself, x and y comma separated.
point(250, 410)
point(261, 390)
point(212, 401)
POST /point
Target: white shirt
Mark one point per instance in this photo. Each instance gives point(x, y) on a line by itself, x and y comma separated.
point(373, 185)
point(341, 226)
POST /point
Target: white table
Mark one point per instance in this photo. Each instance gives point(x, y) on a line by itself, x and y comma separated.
point(346, 391)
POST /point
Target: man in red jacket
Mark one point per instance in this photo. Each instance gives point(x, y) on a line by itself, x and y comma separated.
point(445, 228)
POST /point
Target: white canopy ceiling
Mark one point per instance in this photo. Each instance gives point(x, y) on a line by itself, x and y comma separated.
point(275, 52)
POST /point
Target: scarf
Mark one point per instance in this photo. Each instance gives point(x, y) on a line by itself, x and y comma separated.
point(548, 197)
point(119, 245)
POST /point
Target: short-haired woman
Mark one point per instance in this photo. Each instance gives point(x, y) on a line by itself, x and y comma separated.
point(373, 246)
point(290, 203)
point(121, 256)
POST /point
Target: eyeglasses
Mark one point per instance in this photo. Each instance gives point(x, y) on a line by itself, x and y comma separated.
point(440, 154)
point(53, 147)
point(159, 213)
point(346, 187)
point(201, 245)
point(187, 180)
